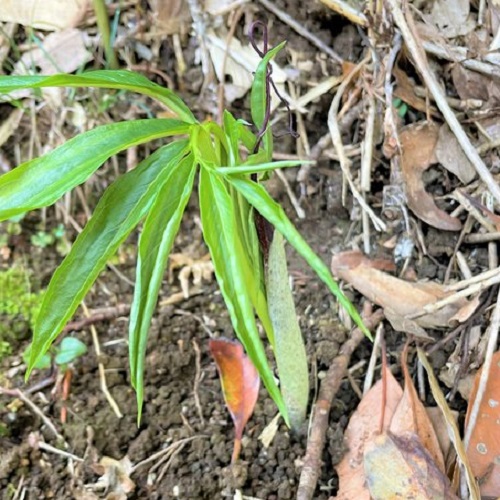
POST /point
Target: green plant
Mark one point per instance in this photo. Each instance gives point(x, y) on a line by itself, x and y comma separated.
point(68, 351)
point(229, 159)
point(19, 306)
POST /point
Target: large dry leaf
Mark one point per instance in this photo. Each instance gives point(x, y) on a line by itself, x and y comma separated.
point(240, 384)
point(363, 427)
point(61, 52)
point(484, 446)
point(451, 17)
point(50, 15)
point(396, 296)
point(411, 416)
point(418, 145)
point(400, 467)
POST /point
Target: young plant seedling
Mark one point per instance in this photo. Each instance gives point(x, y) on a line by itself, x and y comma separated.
point(228, 159)
point(62, 356)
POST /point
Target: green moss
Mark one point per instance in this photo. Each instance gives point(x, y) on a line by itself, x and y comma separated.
point(19, 306)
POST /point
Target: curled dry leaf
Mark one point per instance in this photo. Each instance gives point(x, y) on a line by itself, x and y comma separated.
point(418, 145)
point(399, 298)
point(484, 445)
point(412, 472)
point(115, 478)
point(240, 384)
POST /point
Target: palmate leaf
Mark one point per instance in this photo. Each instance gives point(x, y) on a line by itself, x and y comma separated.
point(42, 181)
point(156, 240)
point(126, 80)
point(120, 209)
point(258, 197)
point(221, 235)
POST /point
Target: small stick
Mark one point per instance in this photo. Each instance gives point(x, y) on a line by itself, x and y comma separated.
point(345, 9)
point(482, 238)
point(17, 393)
point(299, 28)
point(418, 54)
point(333, 126)
point(373, 359)
point(102, 373)
point(35, 442)
point(329, 387)
point(451, 299)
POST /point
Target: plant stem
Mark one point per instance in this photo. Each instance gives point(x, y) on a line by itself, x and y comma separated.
point(103, 24)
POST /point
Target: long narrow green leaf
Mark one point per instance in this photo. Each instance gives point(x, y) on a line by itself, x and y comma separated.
point(258, 96)
point(120, 209)
point(221, 236)
point(157, 238)
point(42, 181)
point(110, 79)
point(262, 167)
point(258, 197)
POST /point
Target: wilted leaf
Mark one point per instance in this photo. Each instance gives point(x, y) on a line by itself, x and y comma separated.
point(48, 15)
point(240, 384)
point(398, 296)
point(484, 445)
point(401, 467)
point(363, 426)
point(418, 144)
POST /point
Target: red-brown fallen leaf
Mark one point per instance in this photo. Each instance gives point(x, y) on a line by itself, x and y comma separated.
point(363, 427)
point(400, 467)
point(484, 445)
point(418, 144)
point(411, 416)
point(240, 384)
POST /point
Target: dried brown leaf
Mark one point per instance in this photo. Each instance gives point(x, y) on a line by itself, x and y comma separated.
point(170, 16)
point(49, 15)
point(400, 297)
point(484, 446)
point(411, 417)
point(418, 144)
point(363, 426)
point(412, 472)
point(61, 52)
point(452, 156)
point(451, 17)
